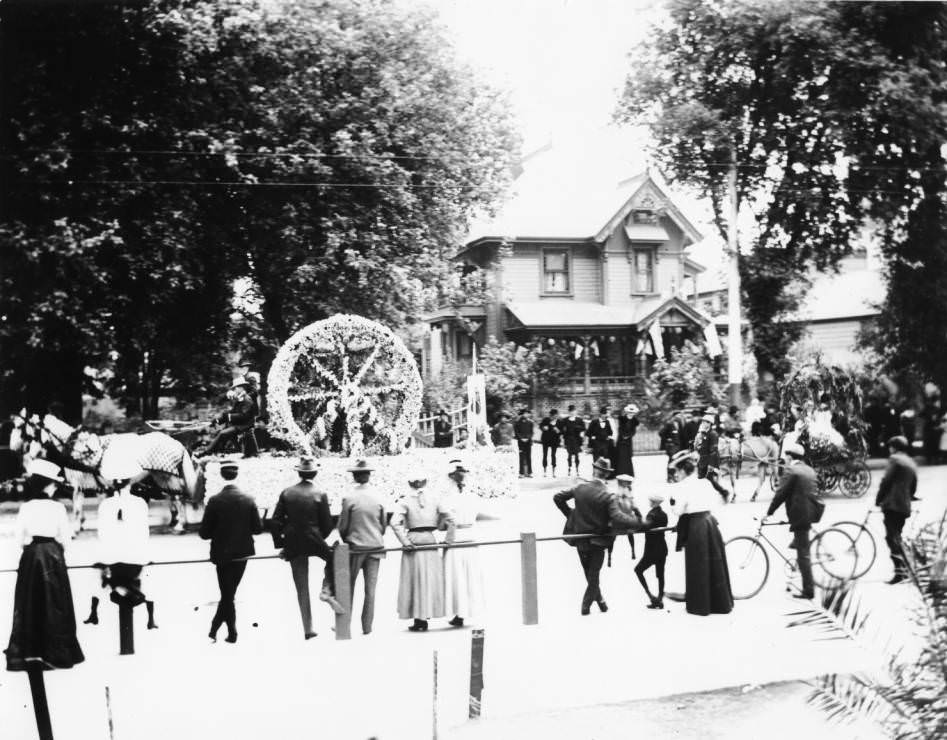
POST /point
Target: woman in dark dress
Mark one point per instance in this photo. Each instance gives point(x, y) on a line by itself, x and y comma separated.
point(44, 619)
point(624, 447)
point(707, 576)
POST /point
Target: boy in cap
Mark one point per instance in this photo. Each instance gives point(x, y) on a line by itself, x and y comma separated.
point(655, 551)
point(230, 521)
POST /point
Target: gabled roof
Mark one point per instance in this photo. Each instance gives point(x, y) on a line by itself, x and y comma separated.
point(570, 195)
point(567, 314)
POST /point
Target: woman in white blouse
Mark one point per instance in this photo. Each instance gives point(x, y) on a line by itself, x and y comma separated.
point(707, 576)
point(44, 619)
point(463, 578)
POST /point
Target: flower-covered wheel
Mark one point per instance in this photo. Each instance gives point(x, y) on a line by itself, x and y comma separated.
point(856, 479)
point(346, 384)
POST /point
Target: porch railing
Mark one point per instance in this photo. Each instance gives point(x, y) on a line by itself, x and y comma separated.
point(424, 432)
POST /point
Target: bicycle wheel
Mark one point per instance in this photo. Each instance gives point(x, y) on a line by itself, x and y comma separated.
point(866, 548)
point(748, 563)
point(834, 557)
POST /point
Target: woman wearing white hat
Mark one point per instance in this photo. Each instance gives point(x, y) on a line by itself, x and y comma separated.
point(44, 619)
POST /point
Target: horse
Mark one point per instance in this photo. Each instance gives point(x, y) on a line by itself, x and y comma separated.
point(87, 457)
point(760, 451)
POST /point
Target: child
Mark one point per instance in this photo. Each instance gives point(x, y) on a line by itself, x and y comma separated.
point(626, 505)
point(655, 551)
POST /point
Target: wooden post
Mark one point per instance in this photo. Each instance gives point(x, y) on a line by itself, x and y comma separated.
point(434, 708)
point(108, 710)
point(476, 674)
point(126, 630)
point(343, 591)
point(530, 593)
point(40, 703)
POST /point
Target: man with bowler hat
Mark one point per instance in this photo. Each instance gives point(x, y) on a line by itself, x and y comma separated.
point(895, 494)
point(230, 521)
point(524, 429)
point(301, 522)
point(594, 511)
point(362, 527)
point(599, 435)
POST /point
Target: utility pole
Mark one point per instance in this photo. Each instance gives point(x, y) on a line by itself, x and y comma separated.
point(734, 337)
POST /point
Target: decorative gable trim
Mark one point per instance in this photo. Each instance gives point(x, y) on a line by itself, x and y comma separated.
point(674, 304)
point(652, 196)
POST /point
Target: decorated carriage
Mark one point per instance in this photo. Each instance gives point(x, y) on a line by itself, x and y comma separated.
point(822, 410)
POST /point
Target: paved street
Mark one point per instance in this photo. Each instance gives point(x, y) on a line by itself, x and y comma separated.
point(180, 684)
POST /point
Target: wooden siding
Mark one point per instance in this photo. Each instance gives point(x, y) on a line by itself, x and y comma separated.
point(836, 339)
point(586, 274)
point(521, 274)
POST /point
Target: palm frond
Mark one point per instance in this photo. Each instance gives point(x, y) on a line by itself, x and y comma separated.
point(849, 699)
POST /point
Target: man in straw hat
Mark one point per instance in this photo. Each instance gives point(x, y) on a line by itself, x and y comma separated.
point(594, 510)
point(301, 522)
point(230, 521)
point(236, 422)
point(362, 526)
point(655, 550)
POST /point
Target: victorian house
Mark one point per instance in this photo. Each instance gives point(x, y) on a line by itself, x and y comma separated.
point(601, 268)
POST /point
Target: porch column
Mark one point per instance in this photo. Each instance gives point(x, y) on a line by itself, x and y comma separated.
point(436, 356)
point(586, 364)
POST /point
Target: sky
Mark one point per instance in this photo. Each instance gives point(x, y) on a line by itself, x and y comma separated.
point(564, 63)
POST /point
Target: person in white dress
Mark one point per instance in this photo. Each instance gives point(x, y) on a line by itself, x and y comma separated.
point(463, 577)
point(123, 543)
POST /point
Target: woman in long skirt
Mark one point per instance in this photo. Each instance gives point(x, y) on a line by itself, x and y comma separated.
point(707, 576)
point(44, 619)
point(463, 578)
point(421, 588)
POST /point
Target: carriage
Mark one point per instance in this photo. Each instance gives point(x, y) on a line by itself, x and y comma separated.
point(843, 468)
point(822, 409)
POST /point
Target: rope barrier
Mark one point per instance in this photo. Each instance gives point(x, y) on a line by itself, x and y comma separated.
point(417, 548)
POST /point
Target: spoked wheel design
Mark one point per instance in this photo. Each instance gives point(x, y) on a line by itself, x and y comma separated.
point(834, 557)
point(866, 548)
point(748, 563)
point(856, 479)
point(827, 479)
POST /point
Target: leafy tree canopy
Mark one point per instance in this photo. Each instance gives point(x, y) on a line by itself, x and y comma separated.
point(831, 110)
point(326, 153)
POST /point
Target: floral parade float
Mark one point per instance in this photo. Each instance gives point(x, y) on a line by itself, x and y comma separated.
point(822, 409)
point(346, 388)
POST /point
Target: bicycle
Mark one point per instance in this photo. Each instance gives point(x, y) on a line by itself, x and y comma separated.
point(866, 545)
point(834, 558)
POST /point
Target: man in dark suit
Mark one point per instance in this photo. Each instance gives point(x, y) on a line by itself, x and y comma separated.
point(550, 436)
point(690, 430)
point(524, 429)
point(238, 421)
point(895, 493)
point(672, 433)
point(230, 521)
point(301, 523)
point(797, 491)
point(599, 435)
point(573, 429)
point(443, 431)
point(595, 510)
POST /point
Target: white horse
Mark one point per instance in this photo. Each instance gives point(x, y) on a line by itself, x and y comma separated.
point(86, 459)
point(760, 451)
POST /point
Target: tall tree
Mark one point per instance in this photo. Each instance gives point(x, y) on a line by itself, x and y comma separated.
point(324, 154)
point(816, 101)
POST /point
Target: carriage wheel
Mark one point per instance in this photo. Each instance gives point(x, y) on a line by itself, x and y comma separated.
point(748, 563)
point(827, 479)
point(856, 480)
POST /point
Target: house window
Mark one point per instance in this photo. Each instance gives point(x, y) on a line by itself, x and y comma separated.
point(644, 271)
point(555, 271)
point(464, 345)
point(644, 217)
